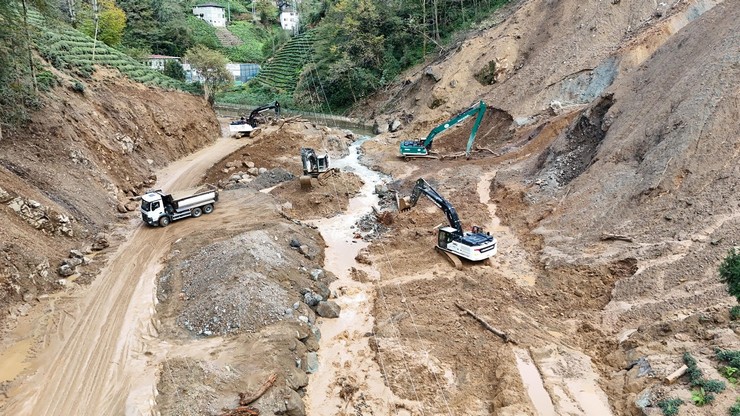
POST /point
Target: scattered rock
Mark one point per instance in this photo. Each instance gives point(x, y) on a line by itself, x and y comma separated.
point(312, 362)
point(328, 309)
point(317, 274)
point(311, 299)
point(100, 243)
point(395, 125)
point(65, 270)
point(363, 257)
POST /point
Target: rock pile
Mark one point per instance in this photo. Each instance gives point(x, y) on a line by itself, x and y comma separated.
point(37, 215)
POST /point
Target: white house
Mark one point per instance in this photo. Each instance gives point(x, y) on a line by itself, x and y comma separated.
point(213, 14)
point(242, 72)
point(157, 61)
point(289, 19)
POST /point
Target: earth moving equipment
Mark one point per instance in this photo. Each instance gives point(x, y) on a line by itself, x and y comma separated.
point(452, 241)
point(244, 126)
point(314, 166)
point(159, 208)
point(423, 146)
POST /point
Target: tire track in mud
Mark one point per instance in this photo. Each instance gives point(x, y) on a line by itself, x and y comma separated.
point(97, 361)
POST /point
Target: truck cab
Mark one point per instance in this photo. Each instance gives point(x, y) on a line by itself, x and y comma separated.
point(152, 208)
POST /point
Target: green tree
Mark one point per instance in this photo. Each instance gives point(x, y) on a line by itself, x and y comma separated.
point(111, 22)
point(729, 272)
point(211, 66)
point(173, 69)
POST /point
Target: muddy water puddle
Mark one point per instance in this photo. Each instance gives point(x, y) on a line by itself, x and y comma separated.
point(345, 356)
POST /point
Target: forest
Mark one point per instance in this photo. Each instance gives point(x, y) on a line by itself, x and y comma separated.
point(360, 45)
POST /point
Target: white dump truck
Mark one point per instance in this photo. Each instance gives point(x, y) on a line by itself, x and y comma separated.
point(158, 208)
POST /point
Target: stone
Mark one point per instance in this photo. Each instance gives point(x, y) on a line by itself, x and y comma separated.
point(395, 125)
point(65, 270)
point(323, 290)
point(248, 164)
point(381, 188)
point(131, 206)
point(328, 309)
point(303, 249)
point(76, 253)
point(311, 299)
point(235, 177)
point(72, 262)
point(295, 243)
point(253, 171)
point(432, 73)
point(380, 127)
point(121, 208)
point(262, 170)
point(317, 274)
point(312, 362)
point(5, 196)
point(293, 402)
point(363, 257)
point(101, 242)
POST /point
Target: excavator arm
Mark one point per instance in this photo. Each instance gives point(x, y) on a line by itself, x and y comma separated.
point(410, 147)
point(252, 120)
point(422, 187)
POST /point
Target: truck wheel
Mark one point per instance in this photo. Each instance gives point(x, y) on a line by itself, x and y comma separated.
point(164, 221)
point(208, 208)
point(196, 212)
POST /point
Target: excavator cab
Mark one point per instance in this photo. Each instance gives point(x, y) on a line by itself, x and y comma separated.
point(314, 166)
point(443, 238)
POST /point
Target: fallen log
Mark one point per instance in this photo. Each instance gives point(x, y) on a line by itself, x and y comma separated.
point(607, 236)
point(241, 411)
point(486, 325)
point(671, 378)
point(246, 398)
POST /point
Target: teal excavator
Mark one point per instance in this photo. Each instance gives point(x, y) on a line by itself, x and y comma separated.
point(422, 147)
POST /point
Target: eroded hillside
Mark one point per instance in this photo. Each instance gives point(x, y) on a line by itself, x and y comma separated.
point(66, 175)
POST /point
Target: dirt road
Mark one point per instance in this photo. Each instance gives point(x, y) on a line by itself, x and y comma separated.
point(97, 360)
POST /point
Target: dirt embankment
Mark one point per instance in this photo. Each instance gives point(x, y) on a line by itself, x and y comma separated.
point(612, 185)
point(65, 174)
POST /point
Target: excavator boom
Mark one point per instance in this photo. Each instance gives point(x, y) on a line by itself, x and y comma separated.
point(411, 148)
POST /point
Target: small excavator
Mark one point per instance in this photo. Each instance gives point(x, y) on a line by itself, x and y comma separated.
point(452, 241)
point(245, 126)
point(423, 146)
point(314, 166)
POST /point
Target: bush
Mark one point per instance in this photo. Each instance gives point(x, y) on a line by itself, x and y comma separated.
point(670, 406)
point(735, 313)
point(729, 272)
point(46, 80)
point(78, 87)
point(701, 397)
point(735, 409)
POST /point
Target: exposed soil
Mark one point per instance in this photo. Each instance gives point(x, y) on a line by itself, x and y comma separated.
point(606, 167)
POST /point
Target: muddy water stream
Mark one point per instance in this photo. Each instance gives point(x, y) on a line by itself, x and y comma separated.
point(345, 357)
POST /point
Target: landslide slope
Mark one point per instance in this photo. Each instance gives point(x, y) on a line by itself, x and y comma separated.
point(79, 158)
point(614, 147)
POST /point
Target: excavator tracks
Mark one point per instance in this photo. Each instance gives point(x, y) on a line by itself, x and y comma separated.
point(453, 259)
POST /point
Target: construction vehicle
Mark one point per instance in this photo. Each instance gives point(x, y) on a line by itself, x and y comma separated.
point(314, 166)
point(423, 146)
point(244, 126)
point(159, 208)
point(452, 241)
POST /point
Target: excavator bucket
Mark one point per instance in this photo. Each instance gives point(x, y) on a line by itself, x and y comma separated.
point(404, 203)
point(306, 182)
